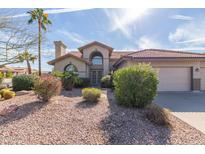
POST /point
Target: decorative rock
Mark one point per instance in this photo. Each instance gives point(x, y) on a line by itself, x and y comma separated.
point(22, 92)
point(8, 110)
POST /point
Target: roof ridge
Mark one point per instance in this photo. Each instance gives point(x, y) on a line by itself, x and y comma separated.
point(166, 50)
point(176, 51)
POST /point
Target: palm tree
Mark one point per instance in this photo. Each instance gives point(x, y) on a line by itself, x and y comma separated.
point(42, 19)
point(26, 56)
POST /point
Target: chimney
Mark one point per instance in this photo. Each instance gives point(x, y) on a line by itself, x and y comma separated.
point(60, 48)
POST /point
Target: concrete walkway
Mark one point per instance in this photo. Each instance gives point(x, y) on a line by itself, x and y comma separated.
point(187, 106)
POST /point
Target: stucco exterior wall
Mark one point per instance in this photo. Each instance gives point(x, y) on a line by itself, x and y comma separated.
point(196, 67)
point(81, 66)
point(105, 53)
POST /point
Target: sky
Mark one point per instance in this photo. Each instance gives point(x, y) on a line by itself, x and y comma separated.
point(122, 29)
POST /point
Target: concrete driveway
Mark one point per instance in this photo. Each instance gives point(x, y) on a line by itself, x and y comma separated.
point(188, 106)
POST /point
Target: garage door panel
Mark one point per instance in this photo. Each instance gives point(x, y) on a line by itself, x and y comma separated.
point(202, 78)
point(174, 79)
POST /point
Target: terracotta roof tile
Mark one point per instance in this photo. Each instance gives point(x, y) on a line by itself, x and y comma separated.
point(158, 53)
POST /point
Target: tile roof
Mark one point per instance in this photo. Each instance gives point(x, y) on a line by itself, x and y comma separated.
point(158, 53)
point(147, 53)
point(95, 43)
point(74, 55)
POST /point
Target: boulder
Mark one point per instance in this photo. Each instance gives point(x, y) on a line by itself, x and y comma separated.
point(22, 92)
point(8, 110)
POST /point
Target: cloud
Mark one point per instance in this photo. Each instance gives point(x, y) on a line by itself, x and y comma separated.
point(189, 34)
point(53, 11)
point(75, 37)
point(181, 17)
point(123, 19)
point(146, 42)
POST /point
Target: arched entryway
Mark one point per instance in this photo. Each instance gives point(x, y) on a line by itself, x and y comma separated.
point(96, 69)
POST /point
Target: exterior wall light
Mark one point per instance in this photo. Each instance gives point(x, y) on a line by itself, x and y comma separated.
point(197, 70)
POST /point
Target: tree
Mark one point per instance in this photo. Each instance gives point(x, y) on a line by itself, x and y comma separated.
point(42, 19)
point(26, 56)
point(14, 38)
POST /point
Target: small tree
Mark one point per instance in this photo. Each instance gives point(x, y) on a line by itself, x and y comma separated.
point(26, 56)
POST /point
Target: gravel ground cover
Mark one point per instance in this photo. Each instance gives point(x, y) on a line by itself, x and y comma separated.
point(68, 119)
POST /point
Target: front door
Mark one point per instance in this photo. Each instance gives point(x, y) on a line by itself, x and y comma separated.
point(96, 76)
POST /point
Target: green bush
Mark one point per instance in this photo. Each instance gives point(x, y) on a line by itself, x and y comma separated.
point(91, 94)
point(69, 79)
point(82, 83)
point(46, 87)
point(23, 82)
point(9, 74)
point(1, 77)
point(158, 115)
point(106, 81)
point(135, 86)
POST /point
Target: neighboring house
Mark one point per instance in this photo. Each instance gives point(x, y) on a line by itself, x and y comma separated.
point(16, 70)
point(177, 70)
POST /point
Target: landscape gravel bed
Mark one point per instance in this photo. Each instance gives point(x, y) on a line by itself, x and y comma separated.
point(68, 119)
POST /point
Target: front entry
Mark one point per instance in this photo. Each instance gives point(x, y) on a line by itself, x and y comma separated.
point(96, 76)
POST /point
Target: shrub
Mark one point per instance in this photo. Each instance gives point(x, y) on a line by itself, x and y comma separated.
point(135, 86)
point(158, 115)
point(91, 94)
point(47, 86)
point(8, 94)
point(69, 79)
point(9, 74)
point(23, 82)
point(82, 83)
point(1, 77)
point(4, 90)
point(106, 81)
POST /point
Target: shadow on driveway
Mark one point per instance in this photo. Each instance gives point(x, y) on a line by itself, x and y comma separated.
point(182, 101)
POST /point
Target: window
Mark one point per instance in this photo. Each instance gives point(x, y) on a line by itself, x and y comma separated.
point(70, 68)
point(97, 58)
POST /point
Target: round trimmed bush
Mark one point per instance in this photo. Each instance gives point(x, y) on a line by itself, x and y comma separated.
point(106, 81)
point(23, 82)
point(136, 85)
point(3, 90)
point(8, 94)
point(91, 94)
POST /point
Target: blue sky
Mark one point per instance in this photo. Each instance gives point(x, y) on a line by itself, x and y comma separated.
point(124, 29)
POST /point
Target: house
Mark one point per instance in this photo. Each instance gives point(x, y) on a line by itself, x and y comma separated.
point(16, 70)
point(177, 70)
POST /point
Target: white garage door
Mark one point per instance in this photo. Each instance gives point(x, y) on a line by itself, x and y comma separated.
point(202, 78)
point(174, 79)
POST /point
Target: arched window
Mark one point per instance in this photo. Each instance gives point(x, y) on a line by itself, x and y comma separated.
point(70, 68)
point(97, 58)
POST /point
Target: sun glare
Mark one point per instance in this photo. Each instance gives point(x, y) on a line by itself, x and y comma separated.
point(131, 15)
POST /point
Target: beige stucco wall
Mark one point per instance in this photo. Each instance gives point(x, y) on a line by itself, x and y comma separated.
point(177, 63)
point(81, 66)
point(197, 66)
point(105, 52)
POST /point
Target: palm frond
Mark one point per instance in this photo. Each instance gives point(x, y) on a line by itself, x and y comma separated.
point(30, 21)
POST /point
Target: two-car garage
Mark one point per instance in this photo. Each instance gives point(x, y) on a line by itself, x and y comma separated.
point(177, 70)
point(174, 78)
